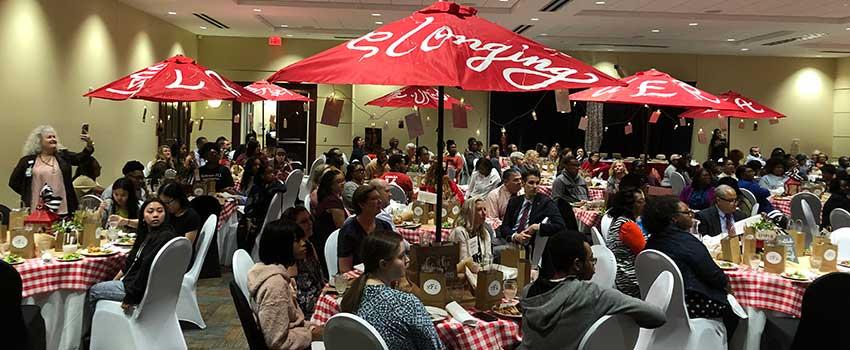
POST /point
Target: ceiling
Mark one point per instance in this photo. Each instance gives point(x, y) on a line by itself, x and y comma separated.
point(820, 28)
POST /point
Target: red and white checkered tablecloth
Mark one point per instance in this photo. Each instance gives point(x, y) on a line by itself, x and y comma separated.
point(594, 194)
point(768, 291)
point(589, 218)
point(782, 204)
point(412, 235)
point(227, 210)
point(39, 277)
point(501, 334)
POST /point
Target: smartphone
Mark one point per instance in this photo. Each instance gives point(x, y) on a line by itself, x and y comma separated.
point(486, 317)
point(84, 129)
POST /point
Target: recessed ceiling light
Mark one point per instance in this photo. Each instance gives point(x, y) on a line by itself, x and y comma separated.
point(535, 19)
point(258, 10)
point(503, 0)
point(204, 28)
point(818, 56)
point(544, 34)
point(284, 26)
point(376, 15)
point(609, 50)
point(379, 22)
point(172, 13)
point(693, 24)
point(730, 39)
point(600, 2)
point(745, 49)
point(289, 35)
point(848, 28)
point(656, 30)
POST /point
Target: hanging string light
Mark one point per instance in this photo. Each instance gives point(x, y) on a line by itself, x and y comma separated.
point(534, 115)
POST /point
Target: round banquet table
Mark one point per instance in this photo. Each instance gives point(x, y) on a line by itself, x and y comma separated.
point(587, 217)
point(593, 193)
point(501, 334)
point(59, 288)
point(227, 226)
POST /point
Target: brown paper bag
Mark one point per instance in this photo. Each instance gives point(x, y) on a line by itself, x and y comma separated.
point(829, 258)
point(488, 290)
point(17, 217)
point(510, 257)
point(731, 247)
point(749, 249)
point(820, 240)
point(420, 213)
point(434, 289)
point(817, 249)
point(22, 243)
point(4, 233)
point(209, 186)
point(199, 188)
point(88, 238)
point(59, 240)
point(774, 259)
point(523, 276)
point(799, 242)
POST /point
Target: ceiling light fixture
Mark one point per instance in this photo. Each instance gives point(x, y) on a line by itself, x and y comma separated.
point(600, 2)
point(284, 26)
point(172, 13)
point(730, 39)
point(258, 10)
point(544, 34)
point(376, 15)
point(535, 19)
point(204, 28)
point(379, 22)
point(503, 0)
point(289, 35)
point(656, 30)
point(745, 49)
point(693, 24)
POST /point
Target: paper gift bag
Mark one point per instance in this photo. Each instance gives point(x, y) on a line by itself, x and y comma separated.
point(414, 125)
point(88, 238)
point(829, 258)
point(523, 276)
point(488, 290)
point(459, 116)
point(59, 239)
point(434, 290)
point(510, 256)
point(332, 111)
point(17, 217)
point(731, 248)
point(452, 211)
point(817, 249)
point(774, 259)
point(22, 243)
point(199, 188)
point(582, 123)
point(209, 187)
point(420, 212)
point(749, 248)
point(799, 241)
point(438, 258)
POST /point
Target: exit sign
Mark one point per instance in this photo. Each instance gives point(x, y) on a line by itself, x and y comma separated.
point(275, 41)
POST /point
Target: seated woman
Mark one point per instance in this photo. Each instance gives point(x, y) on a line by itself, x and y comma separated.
point(399, 317)
point(669, 221)
point(367, 204)
point(310, 273)
point(123, 206)
point(593, 167)
point(483, 180)
point(429, 184)
point(615, 174)
point(774, 177)
point(699, 194)
point(562, 303)
point(474, 235)
point(269, 283)
point(330, 212)
point(183, 218)
point(648, 175)
point(625, 238)
point(130, 283)
point(157, 167)
point(839, 189)
point(281, 164)
point(214, 171)
point(355, 176)
point(259, 201)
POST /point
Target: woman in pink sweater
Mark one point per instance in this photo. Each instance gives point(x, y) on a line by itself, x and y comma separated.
point(273, 289)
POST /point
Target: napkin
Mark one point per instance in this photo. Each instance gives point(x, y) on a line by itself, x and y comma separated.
point(713, 244)
point(508, 273)
point(461, 315)
point(736, 307)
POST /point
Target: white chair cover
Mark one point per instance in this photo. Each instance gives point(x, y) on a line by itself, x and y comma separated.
point(397, 193)
point(90, 202)
point(346, 331)
point(307, 203)
point(839, 218)
point(293, 182)
point(659, 295)
point(153, 324)
point(242, 263)
point(841, 238)
point(596, 237)
point(605, 225)
point(751, 198)
point(331, 260)
point(611, 332)
point(814, 206)
point(187, 304)
point(606, 266)
point(304, 189)
point(677, 183)
point(755, 210)
point(680, 331)
point(810, 223)
point(366, 160)
point(316, 163)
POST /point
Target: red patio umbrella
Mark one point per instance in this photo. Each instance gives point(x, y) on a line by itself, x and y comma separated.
point(446, 44)
point(177, 79)
point(414, 96)
point(747, 108)
point(273, 92)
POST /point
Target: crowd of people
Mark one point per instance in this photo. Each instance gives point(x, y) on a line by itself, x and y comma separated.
point(353, 195)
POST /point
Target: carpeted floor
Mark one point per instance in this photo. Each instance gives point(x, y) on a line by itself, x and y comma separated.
point(223, 328)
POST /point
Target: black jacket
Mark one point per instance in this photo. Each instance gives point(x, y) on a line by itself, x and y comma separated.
point(21, 179)
point(542, 207)
point(835, 201)
point(139, 260)
point(709, 221)
point(699, 272)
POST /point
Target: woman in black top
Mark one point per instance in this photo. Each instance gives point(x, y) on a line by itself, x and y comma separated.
point(310, 273)
point(367, 206)
point(357, 149)
point(839, 189)
point(718, 145)
point(130, 283)
point(183, 218)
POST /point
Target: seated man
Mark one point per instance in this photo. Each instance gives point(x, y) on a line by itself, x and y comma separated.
point(133, 170)
point(720, 217)
point(524, 215)
point(570, 185)
point(213, 170)
point(398, 174)
point(746, 181)
point(497, 200)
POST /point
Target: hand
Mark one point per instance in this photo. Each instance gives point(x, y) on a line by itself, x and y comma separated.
point(128, 308)
point(87, 139)
point(352, 275)
point(521, 238)
point(532, 229)
point(116, 218)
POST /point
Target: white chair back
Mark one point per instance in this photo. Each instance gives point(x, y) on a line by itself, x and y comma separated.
point(397, 193)
point(537, 253)
point(293, 182)
point(659, 295)
point(187, 304)
point(331, 259)
point(274, 211)
point(366, 160)
point(611, 332)
point(345, 159)
point(811, 226)
point(304, 189)
point(797, 211)
point(751, 198)
point(839, 218)
point(677, 183)
point(596, 237)
point(841, 238)
point(160, 300)
point(605, 225)
point(346, 331)
point(205, 235)
point(606, 266)
point(242, 263)
point(649, 264)
point(90, 202)
point(316, 163)
point(307, 203)
point(755, 210)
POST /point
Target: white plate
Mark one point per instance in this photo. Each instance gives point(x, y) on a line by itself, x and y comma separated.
point(437, 314)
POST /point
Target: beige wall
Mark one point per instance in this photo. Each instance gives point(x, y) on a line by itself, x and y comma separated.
point(841, 111)
point(801, 88)
point(53, 51)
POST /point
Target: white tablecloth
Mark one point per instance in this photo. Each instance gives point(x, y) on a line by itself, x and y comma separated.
point(62, 311)
point(227, 239)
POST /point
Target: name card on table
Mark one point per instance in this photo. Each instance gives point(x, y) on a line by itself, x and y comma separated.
point(434, 290)
point(790, 247)
point(731, 248)
point(774, 259)
point(22, 243)
point(488, 289)
point(829, 258)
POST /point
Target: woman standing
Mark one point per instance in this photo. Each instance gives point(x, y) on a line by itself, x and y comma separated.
point(718, 145)
point(367, 206)
point(355, 175)
point(615, 174)
point(47, 162)
point(625, 237)
point(357, 149)
point(483, 180)
point(699, 194)
point(473, 234)
point(123, 206)
point(399, 317)
point(309, 271)
point(158, 166)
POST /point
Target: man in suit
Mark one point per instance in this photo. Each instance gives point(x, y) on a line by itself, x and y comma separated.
point(721, 217)
point(524, 215)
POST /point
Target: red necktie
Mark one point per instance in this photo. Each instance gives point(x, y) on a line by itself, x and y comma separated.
point(730, 225)
point(523, 217)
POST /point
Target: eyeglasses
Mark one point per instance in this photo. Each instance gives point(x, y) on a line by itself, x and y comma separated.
point(733, 200)
point(686, 213)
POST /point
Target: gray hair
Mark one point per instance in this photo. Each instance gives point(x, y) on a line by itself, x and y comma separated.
point(720, 190)
point(32, 145)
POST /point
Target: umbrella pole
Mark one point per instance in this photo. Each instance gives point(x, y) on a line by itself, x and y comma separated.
point(438, 220)
point(728, 136)
point(263, 121)
point(646, 138)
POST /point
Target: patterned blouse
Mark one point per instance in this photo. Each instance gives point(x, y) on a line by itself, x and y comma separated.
point(620, 231)
point(399, 317)
point(310, 281)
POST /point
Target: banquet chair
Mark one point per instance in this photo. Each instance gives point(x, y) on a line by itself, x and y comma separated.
point(811, 227)
point(814, 206)
point(397, 193)
point(304, 189)
point(252, 331)
point(316, 163)
point(606, 266)
point(273, 213)
point(659, 295)
point(206, 206)
point(680, 331)
point(755, 210)
point(330, 255)
point(677, 183)
point(187, 303)
point(605, 225)
point(153, 323)
point(823, 315)
point(611, 332)
point(750, 197)
point(841, 238)
point(242, 263)
point(366, 160)
point(307, 203)
point(838, 218)
point(345, 331)
point(596, 237)
point(293, 182)
point(24, 324)
point(90, 202)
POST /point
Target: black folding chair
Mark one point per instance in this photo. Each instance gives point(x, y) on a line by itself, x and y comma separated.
point(253, 334)
point(823, 319)
point(206, 206)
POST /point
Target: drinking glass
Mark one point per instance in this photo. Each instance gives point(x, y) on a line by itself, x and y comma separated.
point(510, 289)
point(755, 260)
point(340, 283)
